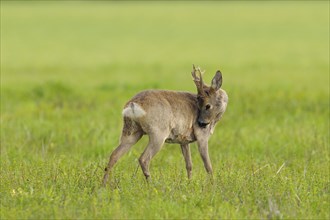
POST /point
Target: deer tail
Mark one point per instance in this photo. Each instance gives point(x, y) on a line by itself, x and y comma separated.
point(133, 111)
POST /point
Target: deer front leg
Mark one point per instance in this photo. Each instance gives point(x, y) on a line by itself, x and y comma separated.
point(203, 150)
point(187, 156)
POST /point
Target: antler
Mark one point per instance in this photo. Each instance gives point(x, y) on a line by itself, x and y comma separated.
point(198, 79)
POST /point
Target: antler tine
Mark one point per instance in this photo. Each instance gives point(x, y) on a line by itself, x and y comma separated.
point(200, 71)
point(193, 73)
point(198, 79)
point(200, 76)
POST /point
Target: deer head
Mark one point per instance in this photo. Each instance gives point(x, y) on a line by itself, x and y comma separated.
point(211, 100)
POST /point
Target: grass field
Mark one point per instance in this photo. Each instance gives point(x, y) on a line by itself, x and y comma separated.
point(67, 69)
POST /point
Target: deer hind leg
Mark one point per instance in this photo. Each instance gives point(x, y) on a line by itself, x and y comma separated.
point(131, 134)
point(187, 156)
point(155, 144)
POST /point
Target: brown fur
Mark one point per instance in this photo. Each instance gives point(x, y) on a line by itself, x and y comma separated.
point(172, 117)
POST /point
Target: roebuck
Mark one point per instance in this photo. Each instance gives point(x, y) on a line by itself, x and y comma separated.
point(172, 117)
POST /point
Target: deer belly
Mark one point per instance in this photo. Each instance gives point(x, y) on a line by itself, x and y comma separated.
point(180, 138)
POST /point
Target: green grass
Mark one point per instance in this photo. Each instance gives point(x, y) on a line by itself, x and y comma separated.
point(67, 68)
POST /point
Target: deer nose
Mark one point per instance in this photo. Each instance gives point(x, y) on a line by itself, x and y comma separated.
point(202, 124)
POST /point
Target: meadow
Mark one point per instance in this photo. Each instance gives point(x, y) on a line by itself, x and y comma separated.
point(68, 68)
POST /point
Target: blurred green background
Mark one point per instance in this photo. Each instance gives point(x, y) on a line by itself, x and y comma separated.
point(116, 41)
point(67, 69)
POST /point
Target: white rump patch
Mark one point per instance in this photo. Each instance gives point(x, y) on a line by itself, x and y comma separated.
point(133, 110)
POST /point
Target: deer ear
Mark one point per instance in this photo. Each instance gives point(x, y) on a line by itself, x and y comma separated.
point(216, 81)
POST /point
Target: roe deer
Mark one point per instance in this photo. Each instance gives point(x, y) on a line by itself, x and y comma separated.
point(172, 117)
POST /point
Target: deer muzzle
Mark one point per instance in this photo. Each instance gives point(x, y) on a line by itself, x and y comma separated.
point(202, 124)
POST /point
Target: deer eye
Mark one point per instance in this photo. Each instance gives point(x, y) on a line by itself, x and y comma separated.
point(208, 106)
